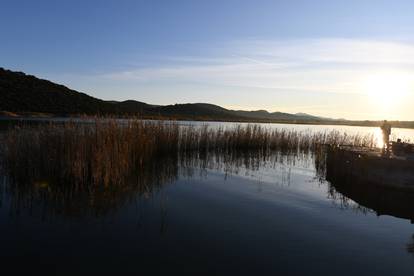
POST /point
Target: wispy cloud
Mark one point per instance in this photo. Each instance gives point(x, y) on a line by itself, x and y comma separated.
point(327, 77)
point(322, 65)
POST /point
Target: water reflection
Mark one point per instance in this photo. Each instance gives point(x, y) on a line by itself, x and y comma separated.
point(369, 192)
point(55, 196)
point(193, 223)
point(352, 192)
point(410, 245)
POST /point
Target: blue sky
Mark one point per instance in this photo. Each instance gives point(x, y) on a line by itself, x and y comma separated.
point(329, 58)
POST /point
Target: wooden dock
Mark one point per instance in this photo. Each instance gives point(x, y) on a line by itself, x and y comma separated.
point(371, 166)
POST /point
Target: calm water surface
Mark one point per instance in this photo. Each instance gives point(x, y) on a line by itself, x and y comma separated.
point(209, 217)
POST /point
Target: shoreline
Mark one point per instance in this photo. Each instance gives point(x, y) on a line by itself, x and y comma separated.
point(46, 117)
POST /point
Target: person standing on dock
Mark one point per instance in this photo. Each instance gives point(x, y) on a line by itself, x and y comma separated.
point(386, 132)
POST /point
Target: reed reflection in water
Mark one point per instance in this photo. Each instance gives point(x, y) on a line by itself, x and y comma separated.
point(54, 195)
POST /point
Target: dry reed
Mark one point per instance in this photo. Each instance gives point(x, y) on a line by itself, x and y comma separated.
point(105, 152)
point(99, 165)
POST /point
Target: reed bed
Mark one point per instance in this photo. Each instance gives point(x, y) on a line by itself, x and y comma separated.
point(99, 165)
point(105, 152)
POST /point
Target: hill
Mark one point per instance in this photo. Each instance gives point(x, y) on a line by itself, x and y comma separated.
point(22, 94)
point(25, 93)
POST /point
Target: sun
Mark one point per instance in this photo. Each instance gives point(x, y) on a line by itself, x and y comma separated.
point(388, 91)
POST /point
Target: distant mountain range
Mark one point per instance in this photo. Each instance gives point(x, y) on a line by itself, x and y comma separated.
point(22, 94)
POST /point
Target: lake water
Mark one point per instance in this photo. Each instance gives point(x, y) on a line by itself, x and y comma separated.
point(273, 216)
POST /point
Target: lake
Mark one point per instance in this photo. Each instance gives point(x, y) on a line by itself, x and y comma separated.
point(274, 215)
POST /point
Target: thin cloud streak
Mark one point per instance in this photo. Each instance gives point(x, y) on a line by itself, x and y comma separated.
point(302, 65)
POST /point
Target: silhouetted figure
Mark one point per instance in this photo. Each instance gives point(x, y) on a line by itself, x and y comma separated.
point(386, 132)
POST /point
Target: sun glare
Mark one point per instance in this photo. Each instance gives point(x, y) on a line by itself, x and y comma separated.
point(387, 92)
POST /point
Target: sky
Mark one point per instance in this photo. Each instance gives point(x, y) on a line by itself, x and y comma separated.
point(349, 59)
